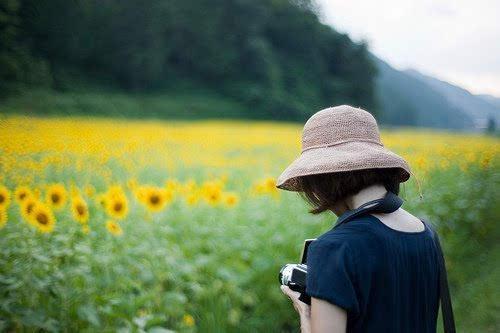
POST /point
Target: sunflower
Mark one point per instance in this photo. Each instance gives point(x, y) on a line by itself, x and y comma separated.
point(4, 197)
point(56, 196)
point(192, 198)
point(212, 192)
point(141, 193)
point(188, 320)
point(21, 193)
point(114, 228)
point(230, 198)
point(156, 198)
point(270, 184)
point(117, 206)
point(43, 218)
point(132, 184)
point(172, 184)
point(101, 200)
point(266, 186)
point(27, 207)
point(89, 190)
point(3, 217)
point(80, 209)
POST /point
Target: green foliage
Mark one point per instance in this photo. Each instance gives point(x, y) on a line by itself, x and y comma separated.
point(193, 103)
point(273, 56)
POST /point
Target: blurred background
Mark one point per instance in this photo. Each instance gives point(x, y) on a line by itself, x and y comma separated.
point(140, 142)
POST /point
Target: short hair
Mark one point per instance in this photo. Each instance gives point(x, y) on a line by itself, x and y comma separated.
point(323, 191)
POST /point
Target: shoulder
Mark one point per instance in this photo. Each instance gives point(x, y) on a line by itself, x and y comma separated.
point(357, 233)
point(358, 241)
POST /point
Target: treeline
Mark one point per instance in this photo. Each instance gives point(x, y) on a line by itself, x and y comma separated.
point(272, 55)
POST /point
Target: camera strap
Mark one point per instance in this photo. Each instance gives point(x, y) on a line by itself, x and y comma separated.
point(444, 291)
point(388, 204)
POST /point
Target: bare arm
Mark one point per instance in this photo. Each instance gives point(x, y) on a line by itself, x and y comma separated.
point(327, 317)
point(320, 317)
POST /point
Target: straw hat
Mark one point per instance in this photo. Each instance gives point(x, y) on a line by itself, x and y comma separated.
point(341, 138)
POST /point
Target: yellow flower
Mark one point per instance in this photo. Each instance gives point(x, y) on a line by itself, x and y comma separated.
point(132, 184)
point(270, 184)
point(117, 206)
point(421, 162)
point(22, 193)
point(56, 196)
point(27, 207)
point(156, 199)
point(114, 228)
point(188, 320)
point(485, 161)
point(212, 192)
point(230, 198)
point(101, 200)
point(89, 190)
point(79, 209)
point(4, 197)
point(43, 218)
point(116, 202)
point(3, 217)
point(172, 184)
point(192, 199)
point(266, 186)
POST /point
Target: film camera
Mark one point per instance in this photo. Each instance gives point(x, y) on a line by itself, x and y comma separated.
point(294, 275)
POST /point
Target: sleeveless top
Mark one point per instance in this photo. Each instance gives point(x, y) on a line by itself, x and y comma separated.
point(386, 280)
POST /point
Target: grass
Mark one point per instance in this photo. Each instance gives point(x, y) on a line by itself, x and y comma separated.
point(200, 104)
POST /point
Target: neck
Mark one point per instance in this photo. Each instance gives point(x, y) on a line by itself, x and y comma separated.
point(369, 193)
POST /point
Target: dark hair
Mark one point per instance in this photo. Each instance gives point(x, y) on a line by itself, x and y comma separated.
point(323, 191)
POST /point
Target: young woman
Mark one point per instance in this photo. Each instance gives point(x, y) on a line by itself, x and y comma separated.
point(380, 271)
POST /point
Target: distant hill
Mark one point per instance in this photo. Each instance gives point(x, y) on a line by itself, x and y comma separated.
point(490, 99)
point(478, 108)
point(406, 100)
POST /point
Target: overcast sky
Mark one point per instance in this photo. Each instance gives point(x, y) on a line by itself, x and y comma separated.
point(454, 40)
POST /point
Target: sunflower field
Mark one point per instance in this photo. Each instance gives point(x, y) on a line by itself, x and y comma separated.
point(113, 225)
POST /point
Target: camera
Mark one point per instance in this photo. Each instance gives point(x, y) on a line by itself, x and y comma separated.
point(294, 275)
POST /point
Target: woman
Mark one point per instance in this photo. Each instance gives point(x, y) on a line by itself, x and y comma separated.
point(380, 271)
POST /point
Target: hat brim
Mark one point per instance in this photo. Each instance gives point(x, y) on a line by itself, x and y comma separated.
point(356, 155)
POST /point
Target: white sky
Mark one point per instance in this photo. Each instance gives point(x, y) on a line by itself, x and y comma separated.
point(454, 40)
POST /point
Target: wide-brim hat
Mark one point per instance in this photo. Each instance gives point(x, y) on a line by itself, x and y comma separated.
point(337, 139)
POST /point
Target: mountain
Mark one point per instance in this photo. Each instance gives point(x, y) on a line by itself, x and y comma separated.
point(478, 108)
point(409, 101)
point(495, 101)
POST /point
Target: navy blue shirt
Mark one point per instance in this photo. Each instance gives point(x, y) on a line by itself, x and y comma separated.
point(386, 280)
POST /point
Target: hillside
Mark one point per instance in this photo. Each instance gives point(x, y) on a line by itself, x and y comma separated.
point(272, 56)
point(478, 108)
point(406, 100)
point(490, 99)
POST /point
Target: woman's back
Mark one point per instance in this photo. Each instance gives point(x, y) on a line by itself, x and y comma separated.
point(387, 280)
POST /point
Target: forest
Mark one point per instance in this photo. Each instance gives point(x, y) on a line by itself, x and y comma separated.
point(272, 56)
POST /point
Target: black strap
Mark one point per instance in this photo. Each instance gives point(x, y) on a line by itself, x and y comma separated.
point(388, 204)
point(444, 292)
